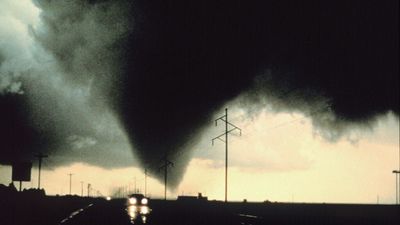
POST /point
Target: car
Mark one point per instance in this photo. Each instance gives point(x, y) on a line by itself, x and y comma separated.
point(137, 206)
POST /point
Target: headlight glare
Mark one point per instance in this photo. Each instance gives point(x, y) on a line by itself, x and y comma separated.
point(132, 201)
point(144, 201)
point(144, 210)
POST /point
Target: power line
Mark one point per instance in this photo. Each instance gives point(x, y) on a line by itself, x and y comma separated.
point(321, 110)
point(229, 127)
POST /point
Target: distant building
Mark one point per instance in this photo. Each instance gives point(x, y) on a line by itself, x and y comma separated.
point(198, 198)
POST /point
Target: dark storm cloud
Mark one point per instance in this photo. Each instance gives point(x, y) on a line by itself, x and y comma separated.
point(187, 58)
point(167, 66)
point(2, 58)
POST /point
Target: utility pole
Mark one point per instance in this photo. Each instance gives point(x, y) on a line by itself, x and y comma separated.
point(88, 190)
point(165, 167)
point(135, 187)
point(145, 182)
point(70, 182)
point(396, 172)
point(229, 127)
point(81, 188)
point(40, 156)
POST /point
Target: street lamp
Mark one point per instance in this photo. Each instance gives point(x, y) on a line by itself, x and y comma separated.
point(397, 190)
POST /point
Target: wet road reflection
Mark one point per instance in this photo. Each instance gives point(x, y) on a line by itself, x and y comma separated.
point(138, 214)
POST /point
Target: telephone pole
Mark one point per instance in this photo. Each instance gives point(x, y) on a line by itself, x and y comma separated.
point(88, 190)
point(40, 156)
point(398, 180)
point(81, 188)
point(396, 172)
point(145, 182)
point(229, 127)
point(165, 167)
point(70, 182)
point(135, 190)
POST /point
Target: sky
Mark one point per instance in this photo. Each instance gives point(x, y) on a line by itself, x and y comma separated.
point(290, 163)
point(109, 88)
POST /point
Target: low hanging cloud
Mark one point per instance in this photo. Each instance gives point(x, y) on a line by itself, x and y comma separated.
point(312, 103)
point(14, 62)
point(56, 79)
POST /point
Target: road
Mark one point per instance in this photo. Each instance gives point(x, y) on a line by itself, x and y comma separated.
point(162, 212)
point(195, 213)
point(31, 208)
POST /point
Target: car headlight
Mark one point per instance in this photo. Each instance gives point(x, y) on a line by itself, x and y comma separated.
point(144, 201)
point(132, 201)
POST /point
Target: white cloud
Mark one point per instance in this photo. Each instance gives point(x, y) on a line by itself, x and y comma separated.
point(16, 43)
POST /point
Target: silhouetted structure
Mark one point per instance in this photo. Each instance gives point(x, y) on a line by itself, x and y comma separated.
point(88, 190)
point(198, 198)
point(40, 156)
point(396, 172)
point(21, 171)
point(145, 182)
point(165, 167)
point(227, 131)
point(70, 182)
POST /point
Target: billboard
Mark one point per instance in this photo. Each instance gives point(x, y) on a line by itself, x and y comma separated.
point(21, 171)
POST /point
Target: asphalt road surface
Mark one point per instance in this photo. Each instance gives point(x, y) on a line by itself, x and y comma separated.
point(174, 212)
point(34, 208)
point(161, 212)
